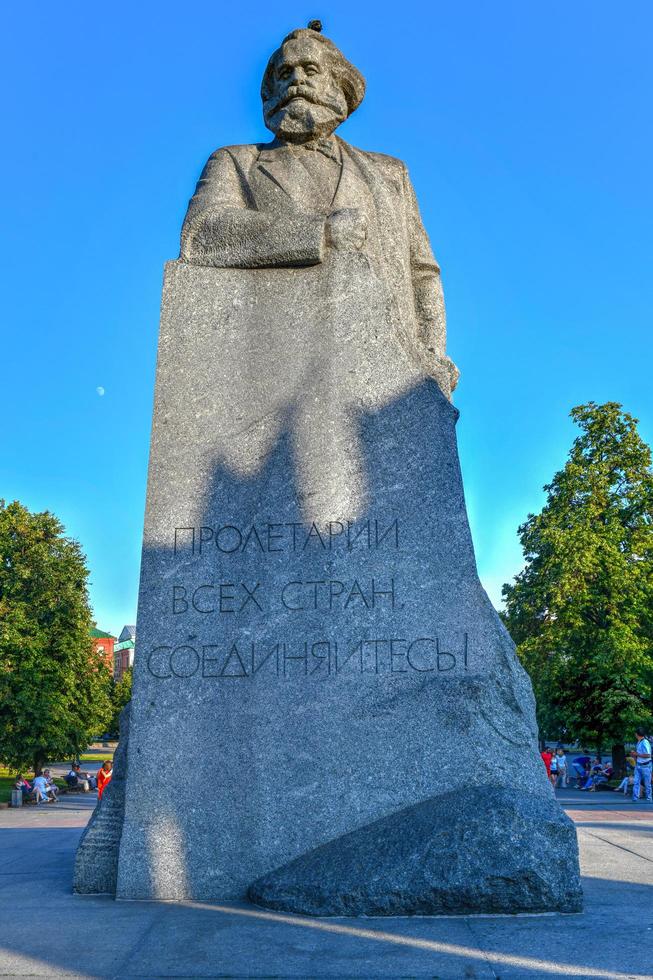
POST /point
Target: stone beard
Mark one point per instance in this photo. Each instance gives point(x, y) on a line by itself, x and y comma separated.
point(313, 639)
point(303, 97)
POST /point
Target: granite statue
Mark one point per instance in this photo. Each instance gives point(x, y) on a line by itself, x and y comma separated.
point(288, 202)
point(321, 679)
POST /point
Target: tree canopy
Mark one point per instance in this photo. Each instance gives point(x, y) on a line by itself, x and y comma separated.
point(54, 688)
point(581, 611)
point(121, 692)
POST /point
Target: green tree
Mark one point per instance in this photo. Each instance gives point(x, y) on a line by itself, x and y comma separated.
point(581, 611)
point(121, 693)
point(54, 689)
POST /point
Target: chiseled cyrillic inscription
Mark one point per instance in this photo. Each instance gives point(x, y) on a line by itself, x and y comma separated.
point(239, 659)
point(203, 593)
point(296, 595)
point(292, 537)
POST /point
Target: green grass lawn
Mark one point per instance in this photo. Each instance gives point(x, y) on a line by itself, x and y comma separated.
point(7, 781)
point(98, 756)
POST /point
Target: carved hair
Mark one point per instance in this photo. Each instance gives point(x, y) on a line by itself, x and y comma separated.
point(348, 77)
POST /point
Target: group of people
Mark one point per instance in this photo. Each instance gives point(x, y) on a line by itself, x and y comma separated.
point(555, 763)
point(76, 779)
point(590, 773)
point(43, 789)
point(640, 775)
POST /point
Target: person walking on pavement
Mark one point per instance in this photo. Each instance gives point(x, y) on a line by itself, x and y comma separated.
point(642, 766)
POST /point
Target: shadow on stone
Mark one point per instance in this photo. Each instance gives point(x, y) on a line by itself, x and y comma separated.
point(331, 766)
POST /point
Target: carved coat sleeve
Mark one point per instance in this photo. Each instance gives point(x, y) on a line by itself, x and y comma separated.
point(223, 228)
point(425, 275)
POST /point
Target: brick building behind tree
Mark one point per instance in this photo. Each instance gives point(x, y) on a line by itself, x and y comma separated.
point(123, 651)
point(103, 644)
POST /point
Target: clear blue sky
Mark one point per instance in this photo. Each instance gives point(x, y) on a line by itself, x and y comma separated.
point(527, 130)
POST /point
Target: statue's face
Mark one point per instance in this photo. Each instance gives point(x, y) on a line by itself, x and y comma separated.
point(306, 102)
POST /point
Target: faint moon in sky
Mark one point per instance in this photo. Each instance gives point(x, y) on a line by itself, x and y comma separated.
point(100, 390)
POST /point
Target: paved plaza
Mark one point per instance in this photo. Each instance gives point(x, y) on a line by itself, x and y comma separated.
point(45, 931)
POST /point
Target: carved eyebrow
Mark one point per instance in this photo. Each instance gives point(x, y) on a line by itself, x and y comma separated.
point(293, 64)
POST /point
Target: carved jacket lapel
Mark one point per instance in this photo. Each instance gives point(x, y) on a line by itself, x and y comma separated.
point(353, 190)
point(390, 245)
point(278, 180)
point(361, 187)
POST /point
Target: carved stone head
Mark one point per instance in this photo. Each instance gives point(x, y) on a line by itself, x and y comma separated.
point(309, 87)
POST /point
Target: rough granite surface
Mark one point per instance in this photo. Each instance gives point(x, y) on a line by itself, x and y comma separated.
point(485, 849)
point(315, 648)
point(314, 642)
point(96, 861)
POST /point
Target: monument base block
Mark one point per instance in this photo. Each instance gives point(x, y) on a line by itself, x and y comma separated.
point(485, 849)
point(96, 860)
point(322, 689)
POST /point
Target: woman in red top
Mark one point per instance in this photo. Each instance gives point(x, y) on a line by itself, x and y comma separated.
point(104, 778)
point(546, 759)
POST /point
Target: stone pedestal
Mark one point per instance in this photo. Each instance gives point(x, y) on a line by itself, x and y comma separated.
point(96, 861)
point(317, 662)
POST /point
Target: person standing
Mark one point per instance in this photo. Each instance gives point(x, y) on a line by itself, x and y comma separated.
point(642, 766)
point(104, 777)
point(546, 759)
point(561, 758)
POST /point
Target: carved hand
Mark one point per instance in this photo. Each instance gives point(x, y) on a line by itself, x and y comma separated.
point(346, 229)
point(454, 373)
point(443, 370)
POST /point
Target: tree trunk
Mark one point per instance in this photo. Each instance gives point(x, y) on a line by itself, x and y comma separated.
point(39, 760)
point(619, 760)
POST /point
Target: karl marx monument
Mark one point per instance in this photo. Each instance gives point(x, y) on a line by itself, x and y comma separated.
point(328, 716)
